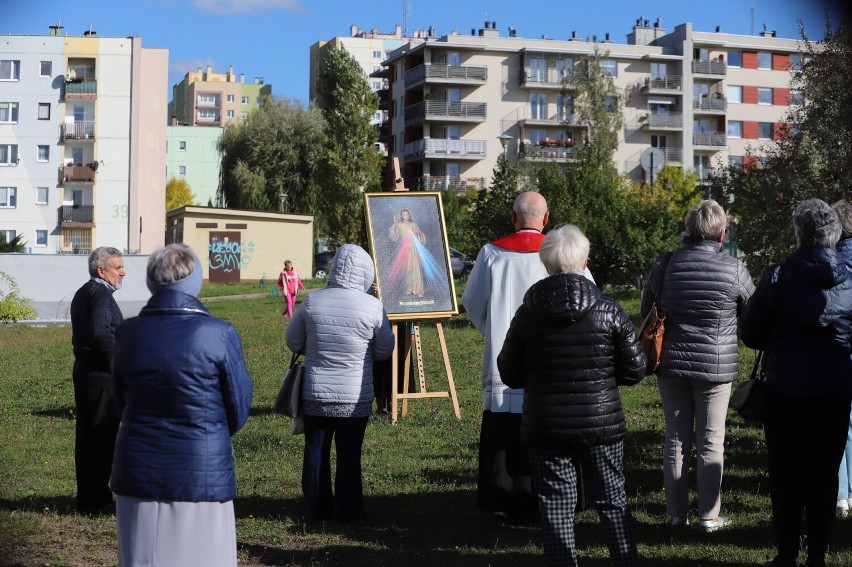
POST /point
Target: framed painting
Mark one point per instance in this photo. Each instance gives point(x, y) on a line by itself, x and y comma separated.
point(408, 240)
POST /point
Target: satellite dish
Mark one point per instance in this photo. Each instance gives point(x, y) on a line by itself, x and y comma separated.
point(652, 160)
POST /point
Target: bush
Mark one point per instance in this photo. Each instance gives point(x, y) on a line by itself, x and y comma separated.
point(13, 306)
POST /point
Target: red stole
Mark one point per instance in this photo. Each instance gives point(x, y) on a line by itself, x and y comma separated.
point(521, 241)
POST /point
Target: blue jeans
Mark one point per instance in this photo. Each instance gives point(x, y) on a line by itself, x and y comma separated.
point(348, 435)
point(844, 491)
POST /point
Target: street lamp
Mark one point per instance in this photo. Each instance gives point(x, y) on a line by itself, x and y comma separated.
point(281, 198)
point(504, 141)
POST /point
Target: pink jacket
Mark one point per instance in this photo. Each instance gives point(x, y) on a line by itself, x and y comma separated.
point(292, 280)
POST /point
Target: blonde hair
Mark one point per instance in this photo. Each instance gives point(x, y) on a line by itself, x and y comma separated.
point(707, 219)
point(564, 250)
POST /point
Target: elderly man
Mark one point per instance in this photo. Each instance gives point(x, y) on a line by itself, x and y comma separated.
point(504, 270)
point(95, 316)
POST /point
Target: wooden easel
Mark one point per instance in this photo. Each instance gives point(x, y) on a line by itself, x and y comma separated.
point(399, 185)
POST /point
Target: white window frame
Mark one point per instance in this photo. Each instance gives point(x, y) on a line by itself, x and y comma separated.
point(761, 93)
point(8, 234)
point(729, 58)
point(208, 98)
point(12, 69)
point(181, 145)
point(41, 69)
point(46, 107)
point(244, 100)
point(795, 62)
point(230, 98)
point(764, 54)
point(42, 195)
point(8, 197)
point(244, 116)
point(760, 126)
point(377, 54)
point(182, 170)
point(736, 132)
point(42, 153)
point(736, 161)
point(797, 98)
point(12, 112)
point(610, 66)
point(735, 94)
point(41, 238)
point(11, 154)
point(229, 113)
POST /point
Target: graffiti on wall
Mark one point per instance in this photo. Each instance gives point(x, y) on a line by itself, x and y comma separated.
point(230, 256)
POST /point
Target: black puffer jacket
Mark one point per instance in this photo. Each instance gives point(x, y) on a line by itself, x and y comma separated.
point(570, 347)
point(801, 315)
point(704, 293)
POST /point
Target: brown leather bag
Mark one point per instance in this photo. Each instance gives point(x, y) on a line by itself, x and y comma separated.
point(654, 326)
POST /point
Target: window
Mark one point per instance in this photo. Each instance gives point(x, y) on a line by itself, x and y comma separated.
point(207, 98)
point(377, 54)
point(658, 71)
point(537, 135)
point(797, 98)
point(8, 197)
point(77, 155)
point(230, 98)
point(764, 60)
point(41, 238)
point(181, 170)
point(244, 116)
point(453, 58)
point(538, 69)
point(564, 68)
point(43, 153)
point(8, 235)
point(182, 146)
point(764, 95)
point(451, 133)
point(377, 116)
point(538, 106)
point(795, 62)
point(701, 164)
point(735, 58)
point(207, 114)
point(735, 161)
point(764, 130)
point(453, 95)
point(377, 85)
point(41, 195)
point(44, 111)
point(610, 103)
point(565, 107)
point(10, 70)
point(610, 66)
point(77, 197)
point(244, 100)
point(8, 154)
point(735, 129)
point(45, 69)
point(230, 114)
point(735, 94)
point(9, 112)
point(658, 142)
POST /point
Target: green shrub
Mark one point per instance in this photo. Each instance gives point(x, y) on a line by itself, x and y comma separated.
point(13, 306)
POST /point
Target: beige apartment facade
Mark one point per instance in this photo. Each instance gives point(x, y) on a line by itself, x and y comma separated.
point(205, 98)
point(458, 102)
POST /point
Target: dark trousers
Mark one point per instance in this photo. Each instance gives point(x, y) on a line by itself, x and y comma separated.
point(348, 436)
point(503, 479)
point(805, 439)
point(96, 428)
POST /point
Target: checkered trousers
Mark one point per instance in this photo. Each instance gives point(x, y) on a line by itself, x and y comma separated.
point(554, 481)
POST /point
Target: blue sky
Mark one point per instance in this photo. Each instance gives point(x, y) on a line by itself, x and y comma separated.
point(272, 38)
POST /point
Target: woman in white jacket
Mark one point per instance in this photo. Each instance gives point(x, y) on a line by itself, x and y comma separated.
point(341, 330)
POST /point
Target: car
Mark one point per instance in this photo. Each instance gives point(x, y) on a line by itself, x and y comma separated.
point(460, 263)
point(321, 263)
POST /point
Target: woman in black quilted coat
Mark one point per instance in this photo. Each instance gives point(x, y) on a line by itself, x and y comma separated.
point(570, 347)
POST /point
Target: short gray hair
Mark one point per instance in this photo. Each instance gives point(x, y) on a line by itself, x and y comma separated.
point(171, 263)
point(844, 212)
point(564, 250)
point(99, 256)
point(706, 219)
point(816, 224)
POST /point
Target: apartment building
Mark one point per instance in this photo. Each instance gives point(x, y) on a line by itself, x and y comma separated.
point(457, 102)
point(192, 155)
point(82, 142)
point(205, 98)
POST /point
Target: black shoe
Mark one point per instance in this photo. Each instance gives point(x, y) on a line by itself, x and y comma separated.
point(94, 511)
point(781, 562)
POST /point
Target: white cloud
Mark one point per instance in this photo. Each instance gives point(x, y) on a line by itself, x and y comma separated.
point(246, 6)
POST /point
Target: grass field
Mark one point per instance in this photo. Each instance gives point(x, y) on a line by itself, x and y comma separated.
point(419, 474)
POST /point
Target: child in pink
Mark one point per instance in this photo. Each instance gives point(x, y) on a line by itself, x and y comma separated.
point(289, 283)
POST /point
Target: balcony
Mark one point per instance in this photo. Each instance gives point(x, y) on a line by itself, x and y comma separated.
point(81, 88)
point(548, 153)
point(76, 215)
point(665, 121)
point(709, 139)
point(713, 68)
point(438, 182)
point(539, 117)
point(84, 130)
point(443, 110)
point(551, 78)
point(713, 104)
point(79, 173)
point(662, 85)
point(441, 148)
point(673, 155)
point(438, 73)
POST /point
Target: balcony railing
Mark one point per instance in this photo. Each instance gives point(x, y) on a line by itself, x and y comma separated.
point(84, 130)
point(667, 83)
point(714, 139)
point(80, 173)
point(448, 73)
point(76, 214)
point(709, 67)
point(666, 120)
point(436, 147)
point(85, 88)
point(673, 155)
point(541, 117)
point(550, 77)
point(436, 182)
point(548, 153)
point(440, 109)
point(711, 102)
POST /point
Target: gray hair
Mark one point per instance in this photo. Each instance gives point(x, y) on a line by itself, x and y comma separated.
point(816, 224)
point(99, 256)
point(844, 212)
point(706, 219)
point(171, 263)
point(564, 250)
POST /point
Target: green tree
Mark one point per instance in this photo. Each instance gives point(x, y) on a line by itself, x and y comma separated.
point(351, 163)
point(15, 245)
point(491, 214)
point(178, 193)
point(458, 217)
point(276, 151)
point(13, 306)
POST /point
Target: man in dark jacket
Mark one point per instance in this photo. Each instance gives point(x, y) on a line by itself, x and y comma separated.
point(570, 347)
point(95, 316)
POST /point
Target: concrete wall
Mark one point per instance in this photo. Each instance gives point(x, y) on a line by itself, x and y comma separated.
point(50, 281)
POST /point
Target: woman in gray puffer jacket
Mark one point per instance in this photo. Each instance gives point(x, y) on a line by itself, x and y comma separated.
point(704, 292)
point(341, 330)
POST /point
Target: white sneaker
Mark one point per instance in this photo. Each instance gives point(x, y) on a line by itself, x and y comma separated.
point(709, 526)
point(842, 509)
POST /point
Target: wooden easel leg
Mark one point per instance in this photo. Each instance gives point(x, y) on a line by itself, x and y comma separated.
point(450, 381)
point(406, 373)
